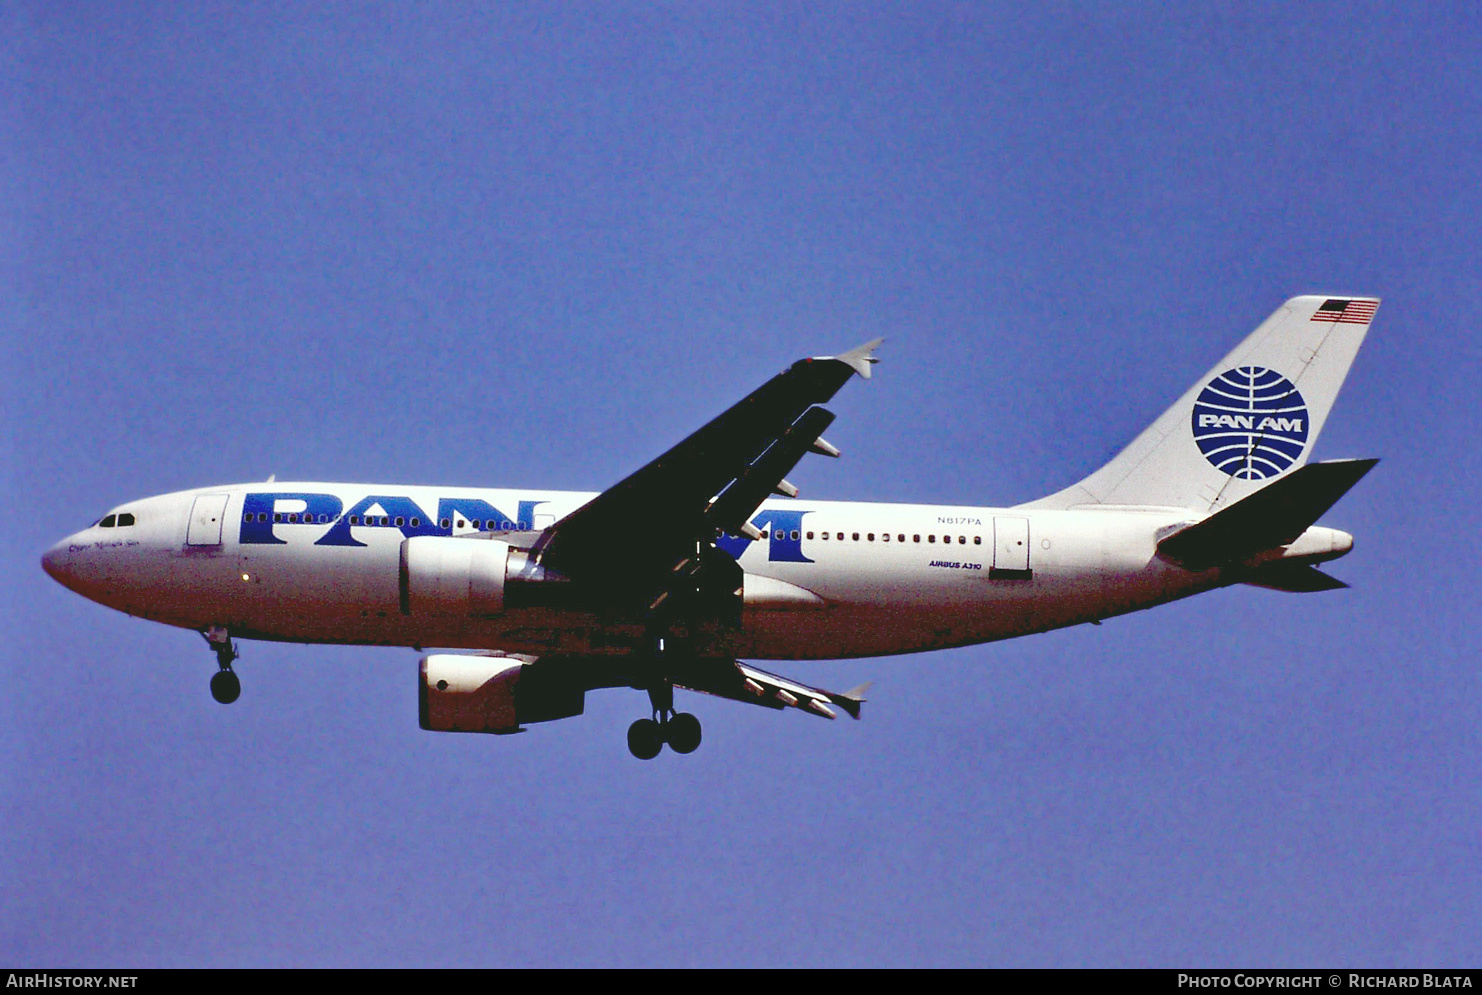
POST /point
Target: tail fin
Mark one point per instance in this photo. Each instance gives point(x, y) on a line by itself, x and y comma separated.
point(1251, 419)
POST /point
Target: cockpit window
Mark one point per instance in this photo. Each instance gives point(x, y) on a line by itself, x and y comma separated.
point(108, 522)
point(125, 520)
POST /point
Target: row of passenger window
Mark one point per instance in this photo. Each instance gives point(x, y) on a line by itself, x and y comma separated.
point(870, 537)
point(122, 521)
point(304, 518)
point(296, 518)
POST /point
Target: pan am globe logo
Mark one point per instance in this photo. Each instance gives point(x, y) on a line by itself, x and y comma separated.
point(1250, 422)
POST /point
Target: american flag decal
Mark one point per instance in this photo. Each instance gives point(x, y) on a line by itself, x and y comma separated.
point(1346, 311)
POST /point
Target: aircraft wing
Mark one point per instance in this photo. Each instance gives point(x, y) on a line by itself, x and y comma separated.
point(746, 683)
point(630, 538)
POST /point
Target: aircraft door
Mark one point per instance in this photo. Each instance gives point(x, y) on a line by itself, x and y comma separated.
point(1010, 549)
point(206, 517)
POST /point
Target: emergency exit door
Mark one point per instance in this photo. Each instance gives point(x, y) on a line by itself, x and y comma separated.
point(1010, 549)
point(206, 517)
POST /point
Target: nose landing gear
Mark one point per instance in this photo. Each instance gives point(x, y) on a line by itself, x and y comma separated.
point(225, 687)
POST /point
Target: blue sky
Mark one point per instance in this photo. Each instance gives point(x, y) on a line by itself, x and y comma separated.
point(536, 244)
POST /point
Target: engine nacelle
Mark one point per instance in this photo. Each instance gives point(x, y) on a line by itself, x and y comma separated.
point(461, 577)
point(463, 693)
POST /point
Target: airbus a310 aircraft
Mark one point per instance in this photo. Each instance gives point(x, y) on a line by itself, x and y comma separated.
point(671, 576)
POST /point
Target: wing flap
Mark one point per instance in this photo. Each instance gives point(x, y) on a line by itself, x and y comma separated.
point(730, 511)
point(743, 682)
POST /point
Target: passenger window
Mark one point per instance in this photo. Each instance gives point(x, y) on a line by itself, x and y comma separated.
point(856, 536)
point(354, 519)
point(901, 537)
point(871, 537)
point(474, 523)
point(977, 540)
point(794, 535)
point(841, 536)
point(810, 535)
point(400, 521)
point(931, 538)
point(915, 538)
point(885, 537)
point(416, 523)
point(293, 518)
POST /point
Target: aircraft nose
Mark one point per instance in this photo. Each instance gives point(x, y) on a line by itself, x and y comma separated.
point(57, 561)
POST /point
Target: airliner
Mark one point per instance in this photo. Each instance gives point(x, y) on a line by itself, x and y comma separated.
point(707, 558)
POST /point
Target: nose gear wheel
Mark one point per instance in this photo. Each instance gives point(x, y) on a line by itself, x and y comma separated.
point(226, 687)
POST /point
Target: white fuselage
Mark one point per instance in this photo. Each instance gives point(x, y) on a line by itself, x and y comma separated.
point(313, 562)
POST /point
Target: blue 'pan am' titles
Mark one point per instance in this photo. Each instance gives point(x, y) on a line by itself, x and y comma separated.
point(1250, 422)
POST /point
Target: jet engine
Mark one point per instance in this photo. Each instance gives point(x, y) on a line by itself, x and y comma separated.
point(458, 576)
point(464, 693)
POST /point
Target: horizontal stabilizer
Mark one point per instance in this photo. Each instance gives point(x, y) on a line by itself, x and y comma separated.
point(1297, 578)
point(1273, 516)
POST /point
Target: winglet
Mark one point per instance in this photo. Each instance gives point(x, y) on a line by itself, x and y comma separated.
point(851, 700)
point(860, 358)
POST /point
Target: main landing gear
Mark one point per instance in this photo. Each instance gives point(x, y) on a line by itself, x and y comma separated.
point(680, 730)
point(225, 687)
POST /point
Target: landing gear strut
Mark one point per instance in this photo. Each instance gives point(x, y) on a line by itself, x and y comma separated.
point(680, 730)
point(225, 687)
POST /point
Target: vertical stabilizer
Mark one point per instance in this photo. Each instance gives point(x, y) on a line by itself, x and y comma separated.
point(1251, 419)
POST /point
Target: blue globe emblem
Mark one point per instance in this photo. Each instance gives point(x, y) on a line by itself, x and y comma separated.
point(1250, 422)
